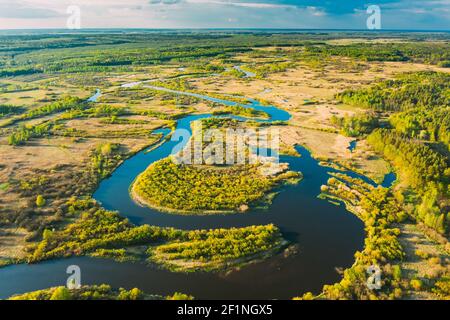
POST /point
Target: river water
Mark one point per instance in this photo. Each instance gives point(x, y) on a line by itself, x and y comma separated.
point(326, 235)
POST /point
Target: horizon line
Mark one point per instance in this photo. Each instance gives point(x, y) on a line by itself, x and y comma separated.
point(213, 28)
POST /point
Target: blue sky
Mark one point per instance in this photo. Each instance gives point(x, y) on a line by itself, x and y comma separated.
point(325, 14)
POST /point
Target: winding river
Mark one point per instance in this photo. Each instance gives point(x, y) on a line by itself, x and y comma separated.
point(326, 235)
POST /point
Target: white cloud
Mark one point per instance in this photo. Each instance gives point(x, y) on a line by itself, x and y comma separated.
point(316, 11)
point(408, 14)
point(257, 5)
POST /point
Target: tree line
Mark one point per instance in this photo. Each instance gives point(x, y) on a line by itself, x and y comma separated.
point(411, 90)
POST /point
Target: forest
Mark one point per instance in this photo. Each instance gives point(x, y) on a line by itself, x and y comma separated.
point(356, 125)
point(414, 139)
point(423, 169)
point(411, 90)
point(166, 184)
point(425, 124)
point(437, 54)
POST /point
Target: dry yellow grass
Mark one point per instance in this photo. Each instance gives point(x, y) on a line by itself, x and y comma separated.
point(423, 259)
point(12, 242)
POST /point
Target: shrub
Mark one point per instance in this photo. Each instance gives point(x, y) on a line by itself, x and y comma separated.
point(40, 201)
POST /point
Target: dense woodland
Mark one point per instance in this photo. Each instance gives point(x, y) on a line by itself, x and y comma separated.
point(436, 53)
point(423, 169)
point(425, 124)
point(356, 125)
point(410, 90)
point(189, 188)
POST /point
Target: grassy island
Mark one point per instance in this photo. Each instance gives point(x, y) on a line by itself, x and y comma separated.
point(206, 189)
point(219, 249)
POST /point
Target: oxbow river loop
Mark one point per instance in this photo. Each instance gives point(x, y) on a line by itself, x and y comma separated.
point(327, 236)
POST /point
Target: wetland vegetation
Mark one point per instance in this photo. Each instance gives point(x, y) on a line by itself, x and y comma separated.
point(390, 91)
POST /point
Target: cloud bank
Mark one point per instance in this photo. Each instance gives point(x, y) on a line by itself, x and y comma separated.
point(311, 14)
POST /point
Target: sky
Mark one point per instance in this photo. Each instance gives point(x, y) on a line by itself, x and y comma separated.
point(309, 14)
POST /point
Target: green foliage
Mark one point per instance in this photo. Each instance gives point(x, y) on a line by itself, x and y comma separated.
point(425, 52)
point(189, 188)
point(120, 255)
point(418, 89)
point(416, 284)
point(94, 230)
point(104, 110)
point(178, 84)
point(95, 292)
point(218, 245)
point(20, 71)
point(25, 133)
point(356, 125)
point(85, 53)
point(418, 164)
point(104, 159)
point(420, 167)
point(179, 296)
point(61, 293)
point(442, 288)
point(361, 51)
point(7, 110)
point(40, 201)
point(397, 272)
point(66, 103)
point(234, 73)
point(243, 112)
point(133, 294)
point(424, 123)
point(429, 212)
point(219, 123)
point(378, 209)
point(104, 233)
point(264, 69)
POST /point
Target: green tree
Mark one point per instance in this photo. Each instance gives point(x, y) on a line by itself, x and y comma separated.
point(61, 293)
point(40, 201)
point(180, 296)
